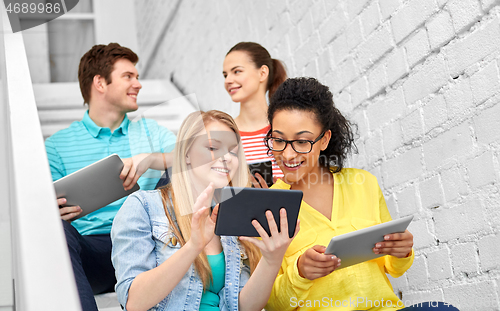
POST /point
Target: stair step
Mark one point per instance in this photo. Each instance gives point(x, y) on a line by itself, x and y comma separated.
point(67, 95)
point(60, 104)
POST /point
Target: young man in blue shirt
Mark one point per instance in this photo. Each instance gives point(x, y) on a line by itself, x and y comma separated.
point(109, 83)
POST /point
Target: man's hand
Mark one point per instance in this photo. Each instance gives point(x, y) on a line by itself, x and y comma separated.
point(133, 168)
point(315, 264)
point(68, 212)
point(396, 244)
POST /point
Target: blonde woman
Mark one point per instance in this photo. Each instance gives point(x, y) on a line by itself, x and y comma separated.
point(165, 253)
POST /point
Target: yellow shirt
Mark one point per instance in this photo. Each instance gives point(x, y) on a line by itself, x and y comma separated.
point(357, 203)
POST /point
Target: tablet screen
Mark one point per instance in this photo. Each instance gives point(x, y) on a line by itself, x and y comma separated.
point(239, 206)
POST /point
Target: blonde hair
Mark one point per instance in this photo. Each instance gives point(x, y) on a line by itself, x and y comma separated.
point(179, 189)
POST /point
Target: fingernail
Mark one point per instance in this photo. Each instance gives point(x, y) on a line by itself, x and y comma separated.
point(333, 257)
point(386, 237)
point(378, 245)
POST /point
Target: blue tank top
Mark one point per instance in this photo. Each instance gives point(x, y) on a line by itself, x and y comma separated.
point(210, 297)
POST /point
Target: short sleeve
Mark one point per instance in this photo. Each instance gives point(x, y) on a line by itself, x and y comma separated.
point(55, 162)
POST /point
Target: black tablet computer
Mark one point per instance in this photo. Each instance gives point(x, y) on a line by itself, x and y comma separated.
point(239, 206)
point(265, 169)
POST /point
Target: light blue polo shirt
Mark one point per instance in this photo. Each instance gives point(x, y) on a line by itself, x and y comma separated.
point(84, 143)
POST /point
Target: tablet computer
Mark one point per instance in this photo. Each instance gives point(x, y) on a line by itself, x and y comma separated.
point(93, 186)
point(239, 206)
point(357, 246)
point(265, 169)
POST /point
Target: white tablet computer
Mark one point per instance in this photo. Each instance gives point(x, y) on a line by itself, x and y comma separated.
point(357, 246)
point(93, 186)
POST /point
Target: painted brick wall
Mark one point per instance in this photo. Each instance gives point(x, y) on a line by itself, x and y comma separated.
point(421, 80)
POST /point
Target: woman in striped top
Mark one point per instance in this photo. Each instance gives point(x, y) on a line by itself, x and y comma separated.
point(249, 73)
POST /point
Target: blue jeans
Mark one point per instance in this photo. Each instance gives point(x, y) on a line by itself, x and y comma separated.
point(430, 306)
point(91, 260)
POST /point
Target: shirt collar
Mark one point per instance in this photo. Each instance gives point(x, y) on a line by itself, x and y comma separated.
point(124, 126)
point(95, 129)
point(280, 184)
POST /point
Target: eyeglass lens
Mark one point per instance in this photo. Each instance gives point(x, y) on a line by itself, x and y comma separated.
point(298, 145)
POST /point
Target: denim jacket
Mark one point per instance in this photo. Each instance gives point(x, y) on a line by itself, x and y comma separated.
point(141, 236)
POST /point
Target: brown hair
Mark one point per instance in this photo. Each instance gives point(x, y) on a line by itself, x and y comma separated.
point(99, 60)
point(260, 56)
point(177, 197)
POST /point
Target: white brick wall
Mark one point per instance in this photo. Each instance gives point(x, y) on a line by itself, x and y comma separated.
point(419, 77)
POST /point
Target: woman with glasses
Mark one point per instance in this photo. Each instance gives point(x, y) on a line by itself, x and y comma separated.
point(249, 72)
point(310, 140)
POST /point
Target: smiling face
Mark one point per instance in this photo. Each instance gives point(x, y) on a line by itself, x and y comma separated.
point(243, 81)
point(298, 125)
point(121, 93)
point(213, 156)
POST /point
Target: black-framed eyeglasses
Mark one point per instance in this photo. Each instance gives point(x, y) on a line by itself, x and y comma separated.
point(298, 145)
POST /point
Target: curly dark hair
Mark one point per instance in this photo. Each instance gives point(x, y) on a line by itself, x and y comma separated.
point(307, 94)
point(100, 60)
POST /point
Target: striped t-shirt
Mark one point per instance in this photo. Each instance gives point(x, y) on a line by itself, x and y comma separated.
point(256, 150)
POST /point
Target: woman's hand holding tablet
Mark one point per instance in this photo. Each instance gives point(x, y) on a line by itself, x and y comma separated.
point(279, 239)
point(314, 263)
point(395, 244)
point(238, 207)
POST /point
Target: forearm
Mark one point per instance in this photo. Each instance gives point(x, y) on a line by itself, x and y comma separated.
point(257, 290)
point(151, 287)
point(160, 161)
